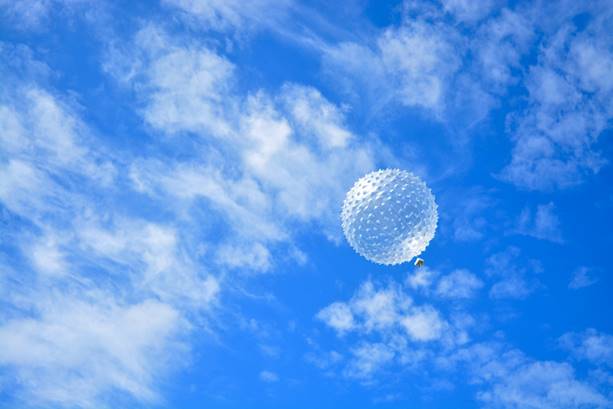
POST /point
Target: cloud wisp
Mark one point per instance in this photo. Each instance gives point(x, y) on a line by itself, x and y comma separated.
point(387, 333)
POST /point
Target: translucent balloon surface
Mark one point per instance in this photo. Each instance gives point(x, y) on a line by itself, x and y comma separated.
point(389, 216)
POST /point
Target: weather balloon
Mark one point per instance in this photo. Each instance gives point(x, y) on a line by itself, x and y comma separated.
point(389, 216)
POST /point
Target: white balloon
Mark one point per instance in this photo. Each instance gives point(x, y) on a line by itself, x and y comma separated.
point(389, 216)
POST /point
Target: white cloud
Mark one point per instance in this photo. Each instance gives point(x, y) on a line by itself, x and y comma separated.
point(23, 188)
point(162, 268)
point(458, 284)
point(423, 324)
point(55, 130)
point(542, 224)
point(508, 379)
point(263, 166)
point(503, 377)
point(581, 278)
point(269, 377)
point(453, 74)
point(466, 216)
point(44, 132)
point(184, 86)
point(422, 59)
point(512, 272)
point(255, 257)
point(187, 89)
point(422, 278)
point(31, 14)
point(379, 308)
point(388, 312)
point(244, 205)
point(590, 345)
point(459, 73)
point(224, 15)
point(513, 287)
point(568, 109)
point(308, 168)
point(499, 46)
point(382, 326)
point(314, 116)
point(283, 159)
point(47, 257)
point(324, 360)
point(413, 65)
point(71, 194)
point(101, 307)
point(11, 131)
point(369, 358)
point(77, 351)
point(543, 385)
point(469, 11)
point(337, 315)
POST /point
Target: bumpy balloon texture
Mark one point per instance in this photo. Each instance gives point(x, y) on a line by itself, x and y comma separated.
point(389, 216)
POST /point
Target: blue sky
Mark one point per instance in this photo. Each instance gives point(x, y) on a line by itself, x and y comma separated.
point(171, 177)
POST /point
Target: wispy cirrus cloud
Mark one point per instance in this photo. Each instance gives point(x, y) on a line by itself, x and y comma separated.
point(387, 322)
point(87, 350)
point(514, 275)
point(542, 223)
point(414, 65)
point(459, 284)
point(231, 15)
point(385, 332)
point(279, 173)
point(96, 310)
point(35, 14)
point(281, 156)
point(582, 277)
point(507, 378)
point(591, 345)
point(458, 75)
point(569, 104)
point(112, 257)
point(269, 377)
